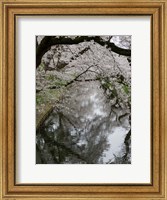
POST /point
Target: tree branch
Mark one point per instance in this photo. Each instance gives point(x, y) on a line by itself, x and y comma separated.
point(49, 41)
point(78, 76)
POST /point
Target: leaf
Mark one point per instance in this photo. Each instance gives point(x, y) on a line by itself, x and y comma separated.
point(39, 99)
point(126, 89)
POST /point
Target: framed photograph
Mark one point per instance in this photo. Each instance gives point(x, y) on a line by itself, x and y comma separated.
point(83, 95)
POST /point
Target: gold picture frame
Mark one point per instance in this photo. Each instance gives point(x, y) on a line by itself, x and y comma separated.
point(157, 9)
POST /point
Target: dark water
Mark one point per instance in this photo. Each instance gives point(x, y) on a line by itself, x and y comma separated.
point(84, 129)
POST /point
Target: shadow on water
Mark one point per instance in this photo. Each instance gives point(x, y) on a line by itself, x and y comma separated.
point(84, 129)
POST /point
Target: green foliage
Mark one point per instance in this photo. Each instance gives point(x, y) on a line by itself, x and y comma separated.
point(114, 91)
point(50, 77)
point(39, 99)
point(126, 89)
point(54, 94)
point(60, 82)
point(56, 81)
point(108, 85)
point(41, 67)
point(116, 88)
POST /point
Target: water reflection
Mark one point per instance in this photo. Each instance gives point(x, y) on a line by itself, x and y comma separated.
point(83, 129)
